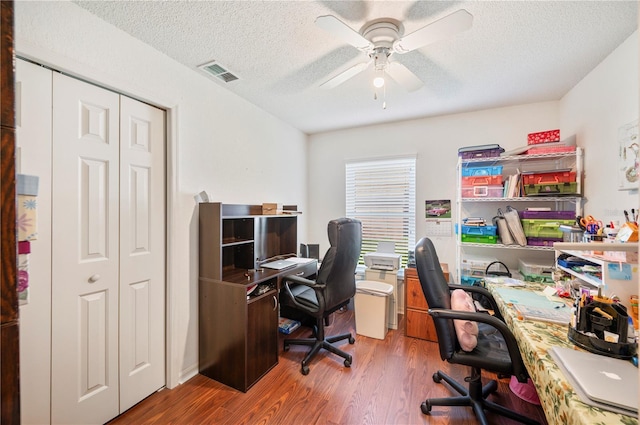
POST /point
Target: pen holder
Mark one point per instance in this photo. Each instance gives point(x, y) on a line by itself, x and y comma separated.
point(597, 317)
point(627, 233)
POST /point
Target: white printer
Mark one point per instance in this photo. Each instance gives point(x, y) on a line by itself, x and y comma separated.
point(384, 258)
point(382, 261)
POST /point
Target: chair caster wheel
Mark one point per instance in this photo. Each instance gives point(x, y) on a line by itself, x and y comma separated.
point(425, 407)
point(347, 363)
point(304, 370)
point(352, 340)
point(436, 378)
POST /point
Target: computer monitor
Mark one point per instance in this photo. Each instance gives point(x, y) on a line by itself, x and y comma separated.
point(310, 251)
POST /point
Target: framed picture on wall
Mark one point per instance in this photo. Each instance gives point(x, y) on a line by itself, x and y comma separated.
point(628, 160)
point(440, 208)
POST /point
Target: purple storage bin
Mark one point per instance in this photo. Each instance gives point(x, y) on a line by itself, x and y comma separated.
point(486, 153)
point(542, 241)
point(548, 215)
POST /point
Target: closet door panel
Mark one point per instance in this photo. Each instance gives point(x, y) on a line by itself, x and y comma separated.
point(86, 252)
point(33, 132)
point(142, 252)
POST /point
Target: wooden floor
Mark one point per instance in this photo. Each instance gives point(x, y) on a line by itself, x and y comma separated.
point(386, 384)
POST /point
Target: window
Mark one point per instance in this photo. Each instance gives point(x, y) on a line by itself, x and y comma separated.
point(382, 195)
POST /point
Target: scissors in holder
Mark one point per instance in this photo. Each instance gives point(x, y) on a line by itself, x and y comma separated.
point(593, 228)
point(584, 222)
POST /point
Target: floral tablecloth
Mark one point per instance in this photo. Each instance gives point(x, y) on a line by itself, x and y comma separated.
point(560, 402)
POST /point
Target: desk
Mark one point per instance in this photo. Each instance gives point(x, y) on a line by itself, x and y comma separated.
point(238, 334)
point(560, 403)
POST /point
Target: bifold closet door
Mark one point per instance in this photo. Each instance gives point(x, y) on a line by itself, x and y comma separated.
point(84, 352)
point(108, 272)
point(142, 251)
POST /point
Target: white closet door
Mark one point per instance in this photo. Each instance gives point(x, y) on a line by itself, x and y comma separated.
point(33, 132)
point(85, 253)
point(142, 251)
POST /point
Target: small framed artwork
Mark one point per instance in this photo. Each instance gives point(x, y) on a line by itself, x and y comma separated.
point(438, 208)
point(628, 156)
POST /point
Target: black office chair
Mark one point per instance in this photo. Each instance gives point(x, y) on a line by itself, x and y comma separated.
point(334, 286)
point(497, 350)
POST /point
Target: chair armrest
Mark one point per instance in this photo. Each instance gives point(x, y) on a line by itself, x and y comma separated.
point(302, 281)
point(482, 291)
point(499, 325)
point(318, 288)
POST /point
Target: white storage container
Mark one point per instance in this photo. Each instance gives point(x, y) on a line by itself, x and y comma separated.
point(475, 266)
point(535, 272)
point(371, 308)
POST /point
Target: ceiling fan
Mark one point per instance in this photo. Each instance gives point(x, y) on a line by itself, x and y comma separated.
point(381, 38)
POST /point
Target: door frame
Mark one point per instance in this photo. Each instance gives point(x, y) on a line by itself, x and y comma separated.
point(91, 75)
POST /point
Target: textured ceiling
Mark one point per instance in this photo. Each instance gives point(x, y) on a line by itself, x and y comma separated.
point(516, 52)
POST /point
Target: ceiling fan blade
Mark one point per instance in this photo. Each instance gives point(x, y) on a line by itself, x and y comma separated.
point(441, 29)
point(342, 31)
point(401, 74)
point(344, 76)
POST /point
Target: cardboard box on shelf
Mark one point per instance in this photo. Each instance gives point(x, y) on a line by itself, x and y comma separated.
point(271, 208)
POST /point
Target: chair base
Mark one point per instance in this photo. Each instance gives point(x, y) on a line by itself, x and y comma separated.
point(474, 397)
point(318, 344)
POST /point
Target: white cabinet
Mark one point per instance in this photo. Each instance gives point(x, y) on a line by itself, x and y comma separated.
point(615, 271)
point(485, 201)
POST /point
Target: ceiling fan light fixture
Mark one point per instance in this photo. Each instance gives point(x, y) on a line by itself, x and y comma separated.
point(378, 82)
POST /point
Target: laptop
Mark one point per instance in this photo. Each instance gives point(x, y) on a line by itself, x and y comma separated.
point(605, 380)
point(279, 264)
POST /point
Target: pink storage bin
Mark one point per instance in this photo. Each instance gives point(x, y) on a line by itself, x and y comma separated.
point(492, 191)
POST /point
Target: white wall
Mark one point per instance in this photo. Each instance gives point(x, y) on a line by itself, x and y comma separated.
point(218, 142)
point(434, 140)
point(606, 99)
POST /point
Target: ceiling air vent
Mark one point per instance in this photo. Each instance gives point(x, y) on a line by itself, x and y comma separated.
point(218, 71)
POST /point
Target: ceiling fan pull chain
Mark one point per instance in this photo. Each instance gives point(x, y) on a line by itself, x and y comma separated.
point(384, 95)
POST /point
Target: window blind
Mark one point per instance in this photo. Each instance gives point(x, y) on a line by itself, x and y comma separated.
point(382, 195)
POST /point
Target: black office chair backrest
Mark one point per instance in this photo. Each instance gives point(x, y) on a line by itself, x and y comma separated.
point(436, 291)
point(338, 266)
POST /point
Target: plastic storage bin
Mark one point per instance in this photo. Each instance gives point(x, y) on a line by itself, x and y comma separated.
point(371, 308)
point(535, 272)
point(551, 189)
point(549, 177)
point(544, 228)
point(475, 266)
point(492, 170)
point(487, 230)
point(482, 180)
point(548, 215)
point(482, 191)
point(479, 239)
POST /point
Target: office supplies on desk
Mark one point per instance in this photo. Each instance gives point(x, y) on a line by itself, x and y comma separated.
point(554, 314)
point(504, 281)
point(601, 326)
point(533, 306)
point(606, 382)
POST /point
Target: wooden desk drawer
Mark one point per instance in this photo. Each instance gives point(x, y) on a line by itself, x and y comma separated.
point(420, 325)
point(415, 296)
